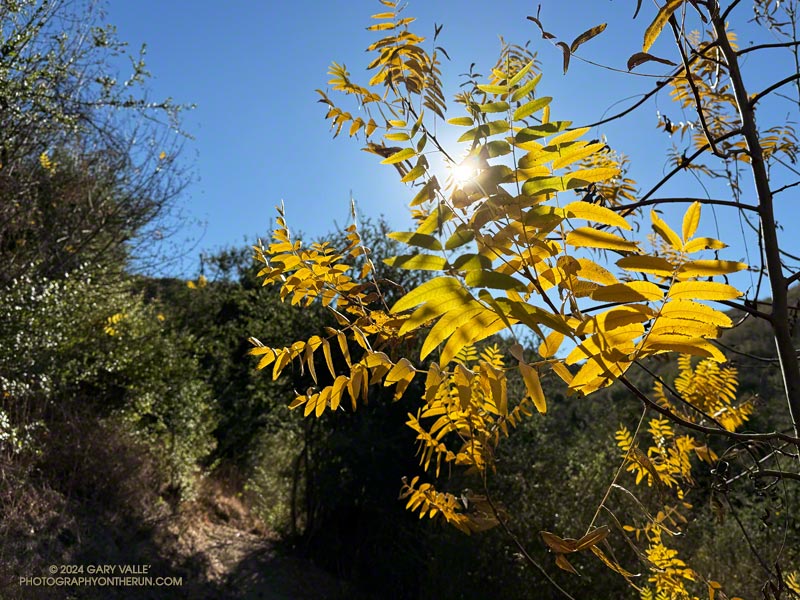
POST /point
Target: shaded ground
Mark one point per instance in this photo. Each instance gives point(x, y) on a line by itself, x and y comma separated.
point(213, 547)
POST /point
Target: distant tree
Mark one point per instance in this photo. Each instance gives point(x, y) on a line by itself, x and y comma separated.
point(535, 233)
point(88, 164)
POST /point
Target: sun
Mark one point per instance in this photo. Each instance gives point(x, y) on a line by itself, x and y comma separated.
point(464, 172)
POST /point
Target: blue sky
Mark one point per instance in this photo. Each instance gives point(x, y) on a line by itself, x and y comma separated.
point(260, 135)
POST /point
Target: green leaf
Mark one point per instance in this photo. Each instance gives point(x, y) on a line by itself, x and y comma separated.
point(526, 89)
point(413, 238)
point(461, 121)
point(472, 262)
point(485, 130)
point(438, 286)
point(531, 107)
point(539, 131)
point(422, 262)
point(460, 237)
point(400, 156)
point(544, 185)
point(493, 107)
point(493, 89)
point(493, 280)
point(497, 148)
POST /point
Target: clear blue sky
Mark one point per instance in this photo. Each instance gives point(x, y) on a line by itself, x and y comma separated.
point(260, 135)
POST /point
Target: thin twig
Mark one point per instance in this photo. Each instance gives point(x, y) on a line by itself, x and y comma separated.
point(519, 544)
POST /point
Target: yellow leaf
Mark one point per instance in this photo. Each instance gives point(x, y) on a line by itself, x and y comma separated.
point(399, 156)
point(551, 344)
point(588, 237)
point(563, 372)
point(664, 13)
point(326, 349)
point(618, 316)
point(459, 316)
point(690, 221)
point(595, 212)
point(593, 272)
point(683, 327)
point(709, 268)
point(654, 265)
point(665, 231)
point(686, 309)
point(703, 290)
point(682, 345)
point(402, 374)
point(698, 244)
point(482, 326)
point(433, 288)
point(337, 389)
point(531, 378)
point(634, 291)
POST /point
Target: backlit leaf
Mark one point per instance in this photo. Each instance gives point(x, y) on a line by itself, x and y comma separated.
point(705, 243)
point(588, 237)
point(654, 265)
point(586, 36)
point(703, 290)
point(691, 220)
point(634, 291)
point(423, 262)
point(596, 213)
point(709, 268)
point(413, 238)
point(642, 57)
point(437, 287)
point(654, 29)
point(527, 109)
point(665, 231)
point(400, 156)
point(531, 378)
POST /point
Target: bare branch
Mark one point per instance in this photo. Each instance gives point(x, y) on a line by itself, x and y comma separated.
point(773, 87)
point(652, 201)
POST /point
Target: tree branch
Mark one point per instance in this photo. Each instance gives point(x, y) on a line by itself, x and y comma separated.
point(651, 201)
point(765, 46)
point(773, 87)
point(740, 437)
